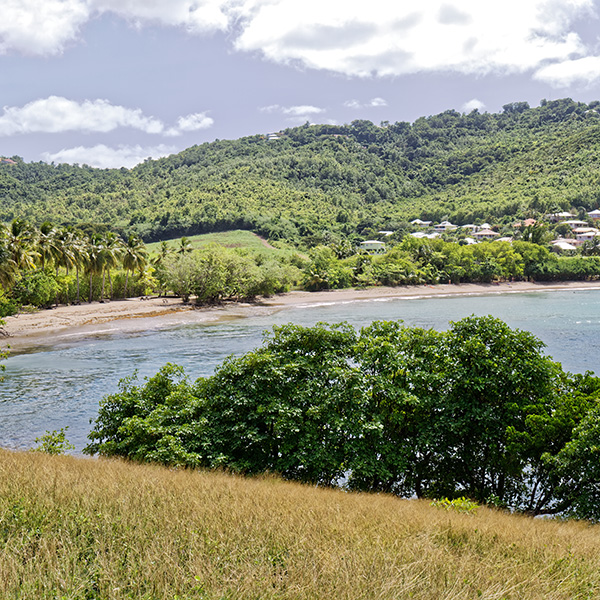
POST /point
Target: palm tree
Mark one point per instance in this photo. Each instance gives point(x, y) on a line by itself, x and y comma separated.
point(111, 252)
point(20, 243)
point(94, 261)
point(8, 267)
point(135, 257)
point(47, 245)
point(185, 246)
point(76, 247)
point(163, 251)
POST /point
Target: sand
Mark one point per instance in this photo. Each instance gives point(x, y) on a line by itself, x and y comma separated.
point(51, 326)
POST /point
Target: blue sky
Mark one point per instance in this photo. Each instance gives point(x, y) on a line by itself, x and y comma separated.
point(111, 82)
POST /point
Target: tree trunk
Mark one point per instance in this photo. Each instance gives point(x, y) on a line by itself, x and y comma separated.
point(77, 272)
point(126, 280)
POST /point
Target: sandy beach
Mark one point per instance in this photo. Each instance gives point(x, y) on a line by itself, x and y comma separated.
point(47, 327)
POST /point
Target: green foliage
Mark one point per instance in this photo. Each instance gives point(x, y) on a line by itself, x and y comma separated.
point(461, 505)
point(54, 442)
point(323, 180)
point(476, 411)
point(36, 288)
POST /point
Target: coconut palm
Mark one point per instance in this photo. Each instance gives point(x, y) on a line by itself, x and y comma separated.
point(135, 256)
point(20, 242)
point(47, 245)
point(75, 247)
point(94, 261)
point(163, 251)
point(112, 249)
point(185, 246)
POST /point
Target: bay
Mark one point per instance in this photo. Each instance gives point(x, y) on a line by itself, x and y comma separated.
point(61, 385)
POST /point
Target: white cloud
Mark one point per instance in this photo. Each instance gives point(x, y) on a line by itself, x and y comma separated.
point(195, 15)
point(194, 122)
point(373, 103)
point(40, 26)
point(583, 71)
point(395, 38)
point(305, 109)
point(294, 114)
point(354, 38)
point(472, 105)
point(104, 157)
point(56, 115)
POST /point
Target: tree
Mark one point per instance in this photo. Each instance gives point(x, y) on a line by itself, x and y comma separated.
point(135, 257)
point(476, 411)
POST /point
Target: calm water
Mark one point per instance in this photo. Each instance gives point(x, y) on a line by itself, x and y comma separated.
point(61, 385)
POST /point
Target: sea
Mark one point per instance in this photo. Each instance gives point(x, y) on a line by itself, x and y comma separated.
point(61, 382)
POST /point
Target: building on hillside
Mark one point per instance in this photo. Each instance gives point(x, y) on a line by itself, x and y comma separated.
point(373, 246)
point(559, 217)
point(419, 223)
point(422, 235)
point(485, 234)
point(445, 226)
point(575, 224)
point(563, 245)
point(594, 214)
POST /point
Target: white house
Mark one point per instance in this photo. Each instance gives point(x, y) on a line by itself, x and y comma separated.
point(485, 234)
point(419, 223)
point(594, 214)
point(373, 246)
point(445, 226)
point(560, 216)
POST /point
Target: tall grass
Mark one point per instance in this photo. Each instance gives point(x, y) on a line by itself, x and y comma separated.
point(238, 238)
point(73, 528)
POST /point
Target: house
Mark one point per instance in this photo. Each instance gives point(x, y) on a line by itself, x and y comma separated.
point(419, 223)
point(421, 235)
point(589, 234)
point(574, 223)
point(563, 245)
point(559, 217)
point(485, 234)
point(445, 226)
point(386, 233)
point(594, 214)
point(373, 246)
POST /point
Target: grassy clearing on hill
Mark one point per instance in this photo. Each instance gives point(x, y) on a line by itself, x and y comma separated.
point(73, 528)
point(238, 238)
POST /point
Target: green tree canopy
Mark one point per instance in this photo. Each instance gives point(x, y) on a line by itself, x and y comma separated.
point(475, 411)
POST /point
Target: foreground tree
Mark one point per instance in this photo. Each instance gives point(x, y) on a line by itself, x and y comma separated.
point(476, 411)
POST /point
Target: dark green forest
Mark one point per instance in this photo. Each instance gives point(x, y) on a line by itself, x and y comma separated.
point(319, 182)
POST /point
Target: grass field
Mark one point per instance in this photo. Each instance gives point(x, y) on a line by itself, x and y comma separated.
point(238, 238)
point(84, 529)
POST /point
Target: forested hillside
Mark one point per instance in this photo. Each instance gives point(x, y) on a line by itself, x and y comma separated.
point(319, 180)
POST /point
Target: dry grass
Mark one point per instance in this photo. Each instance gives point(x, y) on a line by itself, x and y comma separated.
point(74, 528)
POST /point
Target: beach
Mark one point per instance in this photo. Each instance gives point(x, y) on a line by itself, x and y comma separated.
point(44, 327)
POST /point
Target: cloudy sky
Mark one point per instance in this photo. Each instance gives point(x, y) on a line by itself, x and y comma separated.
point(111, 82)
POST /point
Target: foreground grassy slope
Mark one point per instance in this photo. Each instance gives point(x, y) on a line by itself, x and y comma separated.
point(73, 528)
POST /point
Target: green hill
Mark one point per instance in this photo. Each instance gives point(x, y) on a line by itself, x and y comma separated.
point(318, 180)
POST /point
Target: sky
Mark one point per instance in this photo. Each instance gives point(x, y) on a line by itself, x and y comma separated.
point(110, 83)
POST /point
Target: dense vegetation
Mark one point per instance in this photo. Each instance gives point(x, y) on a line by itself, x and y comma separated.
point(414, 261)
point(319, 182)
point(51, 265)
point(477, 411)
point(106, 530)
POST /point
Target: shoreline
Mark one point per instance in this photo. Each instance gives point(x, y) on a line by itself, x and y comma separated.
point(47, 327)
